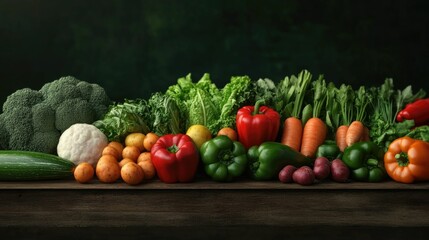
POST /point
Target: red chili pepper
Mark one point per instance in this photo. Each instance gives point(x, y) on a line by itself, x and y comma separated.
point(257, 124)
point(175, 158)
point(417, 111)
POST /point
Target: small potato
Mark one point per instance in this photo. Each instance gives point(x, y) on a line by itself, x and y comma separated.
point(117, 145)
point(148, 169)
point(107, 158)
point(124, 161)
point(303, 176)
point(149, 140)
point(135, 139)
point(108, 171)
point(131, 152)
point(132, 174)
point(84, 172)
point(144, 156)
point(339, 171)
point(321, 168)
point(110, 150)
point(285, 175)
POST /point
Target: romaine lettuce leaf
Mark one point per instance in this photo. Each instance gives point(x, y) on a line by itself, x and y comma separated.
point(235, 94)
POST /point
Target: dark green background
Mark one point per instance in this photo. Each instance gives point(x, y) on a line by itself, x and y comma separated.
point(134, 48)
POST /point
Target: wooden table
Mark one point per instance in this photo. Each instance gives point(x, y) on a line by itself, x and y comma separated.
point(208, 210)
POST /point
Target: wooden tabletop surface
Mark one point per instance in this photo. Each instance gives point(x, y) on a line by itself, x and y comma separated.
point(204, 209)
point(207, 184)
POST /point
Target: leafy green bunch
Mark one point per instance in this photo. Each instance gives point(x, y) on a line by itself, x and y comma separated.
point(388, 101)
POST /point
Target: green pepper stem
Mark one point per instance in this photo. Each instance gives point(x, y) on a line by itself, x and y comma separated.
point(173, 149)
point(402, 159)
point(225, 156)
point(257, 106)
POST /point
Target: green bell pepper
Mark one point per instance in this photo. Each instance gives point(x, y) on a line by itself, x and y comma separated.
point(268, 159)
point(365, 161)
point(330, 150)
point(223, 159)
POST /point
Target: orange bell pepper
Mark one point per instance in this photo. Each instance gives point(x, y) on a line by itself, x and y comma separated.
point(407, 160)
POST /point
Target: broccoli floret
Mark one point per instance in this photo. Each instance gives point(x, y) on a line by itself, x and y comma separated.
point(73, 111)
point(45, 142)
point(19, 119)
point(4, 134)
point(69, 87)
point(58, 91)
point(46, 135)
point(96, 96)
point(31, 129)
point(22, 98)
point(43, 118)
point(34, 120)
point(25, 111)
point(19, 123)
point(75, 101)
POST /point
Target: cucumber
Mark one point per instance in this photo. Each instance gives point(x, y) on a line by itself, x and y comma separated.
point(29, 166)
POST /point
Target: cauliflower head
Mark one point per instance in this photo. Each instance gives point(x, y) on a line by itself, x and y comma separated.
point(82, 142)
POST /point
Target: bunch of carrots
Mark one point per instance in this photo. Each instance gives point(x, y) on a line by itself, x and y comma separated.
point(344, 110)
point(353, 109)
point(307, 132)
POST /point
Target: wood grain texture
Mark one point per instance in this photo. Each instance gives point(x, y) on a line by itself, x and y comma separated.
point(205, 184)
point(240, 207)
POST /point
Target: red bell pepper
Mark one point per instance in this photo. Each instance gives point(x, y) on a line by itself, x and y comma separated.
point(417, 111)
point(257, 124)
point(175, 158)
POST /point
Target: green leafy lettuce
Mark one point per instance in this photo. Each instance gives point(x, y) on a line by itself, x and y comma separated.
point(265, 89)
point(421, 133)
point(165, 115)
point(202, 102)
point(124, 118)
point(235, 94)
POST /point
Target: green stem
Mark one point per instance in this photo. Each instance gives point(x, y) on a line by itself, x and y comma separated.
point(173, 149)
point(303, 81)
point(402, 159)
point(225, 157)
point(257, 106)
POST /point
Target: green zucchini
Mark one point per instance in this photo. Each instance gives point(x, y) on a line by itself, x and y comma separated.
point(29, 166)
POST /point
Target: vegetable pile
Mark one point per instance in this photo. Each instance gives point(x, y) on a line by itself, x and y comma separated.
point(33, 120)
point(300, 129)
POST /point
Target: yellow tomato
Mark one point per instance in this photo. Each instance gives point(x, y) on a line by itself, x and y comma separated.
point(199, 134)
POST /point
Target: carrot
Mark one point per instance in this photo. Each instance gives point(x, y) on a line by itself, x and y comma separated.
point(292, 126)
point(292, 133)
point(355, 132)
point(315, 130)
point(340, 137)
point(346, 98)
point(365, 136)
point(314, 134)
